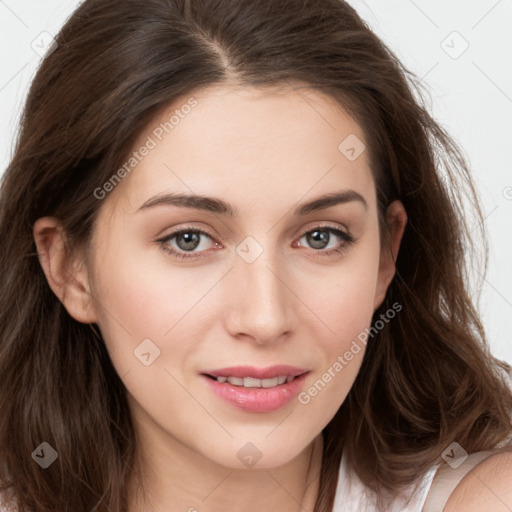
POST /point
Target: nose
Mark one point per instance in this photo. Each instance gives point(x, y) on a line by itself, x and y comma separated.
point(260, 300)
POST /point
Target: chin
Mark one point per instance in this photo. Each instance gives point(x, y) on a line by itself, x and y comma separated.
point(255, 455)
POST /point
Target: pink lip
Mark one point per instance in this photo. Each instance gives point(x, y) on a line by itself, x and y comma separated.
point(257, 399)
point(256, 373)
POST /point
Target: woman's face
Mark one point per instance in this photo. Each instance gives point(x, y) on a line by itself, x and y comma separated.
point(263, 274)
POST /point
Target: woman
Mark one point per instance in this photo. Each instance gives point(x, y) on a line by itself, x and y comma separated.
point(233, 276)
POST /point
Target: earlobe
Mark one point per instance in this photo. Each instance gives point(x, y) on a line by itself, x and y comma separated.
point(396, 220)
point(67, 278)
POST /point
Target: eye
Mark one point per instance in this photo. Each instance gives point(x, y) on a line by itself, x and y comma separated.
point(320, 238)
point(186, 240)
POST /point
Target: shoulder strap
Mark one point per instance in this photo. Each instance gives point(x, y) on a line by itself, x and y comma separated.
point(447, 479)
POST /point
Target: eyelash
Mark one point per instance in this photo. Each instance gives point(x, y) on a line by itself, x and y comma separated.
point(347, 238)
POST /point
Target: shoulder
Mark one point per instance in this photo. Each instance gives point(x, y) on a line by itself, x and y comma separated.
point(485, 487)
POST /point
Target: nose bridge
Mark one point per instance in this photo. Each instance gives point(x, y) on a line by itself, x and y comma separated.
point(260, 308)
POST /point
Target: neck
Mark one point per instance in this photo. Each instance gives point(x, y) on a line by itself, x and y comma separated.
point(193, 483)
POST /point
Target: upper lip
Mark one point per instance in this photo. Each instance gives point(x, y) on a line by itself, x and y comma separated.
point(257, 373)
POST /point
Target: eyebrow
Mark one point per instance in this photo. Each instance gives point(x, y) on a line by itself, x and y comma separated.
point(218, 206)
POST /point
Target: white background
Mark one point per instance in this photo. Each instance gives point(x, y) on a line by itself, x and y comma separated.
point(471, 97)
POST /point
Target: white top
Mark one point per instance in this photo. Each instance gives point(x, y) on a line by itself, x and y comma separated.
point(353, 496)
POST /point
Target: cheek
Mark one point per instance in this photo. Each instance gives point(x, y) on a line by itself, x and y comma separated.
point(140, 299)
point(345, 305)
point(345, 299)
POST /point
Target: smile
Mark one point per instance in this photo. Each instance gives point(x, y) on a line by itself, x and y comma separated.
point(256, 389)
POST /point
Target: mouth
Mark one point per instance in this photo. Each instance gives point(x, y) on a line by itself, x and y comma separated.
point(256, 390)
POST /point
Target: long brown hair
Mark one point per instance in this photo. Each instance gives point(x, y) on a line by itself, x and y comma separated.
point(427, 378)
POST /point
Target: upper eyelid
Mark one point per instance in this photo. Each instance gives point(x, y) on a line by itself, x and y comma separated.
point(319, 225)
point(186, 229)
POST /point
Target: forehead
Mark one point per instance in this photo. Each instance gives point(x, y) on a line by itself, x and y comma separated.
point(249, 145)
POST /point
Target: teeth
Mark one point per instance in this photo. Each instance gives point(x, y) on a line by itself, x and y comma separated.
point(250, 382)
point(269, 383)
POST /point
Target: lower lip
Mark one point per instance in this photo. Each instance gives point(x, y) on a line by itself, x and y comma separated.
point(257, 399)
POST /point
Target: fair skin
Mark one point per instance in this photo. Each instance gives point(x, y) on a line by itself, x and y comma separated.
point(265, 154)
point(486, 487)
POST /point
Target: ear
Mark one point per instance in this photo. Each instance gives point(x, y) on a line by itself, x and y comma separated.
point(66, 275)
point(396, 219)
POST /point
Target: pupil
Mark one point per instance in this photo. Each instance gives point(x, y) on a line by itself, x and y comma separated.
point(191, 240)
point(318, 239)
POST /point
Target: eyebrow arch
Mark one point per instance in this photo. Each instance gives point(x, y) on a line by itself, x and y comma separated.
point(218, 206)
